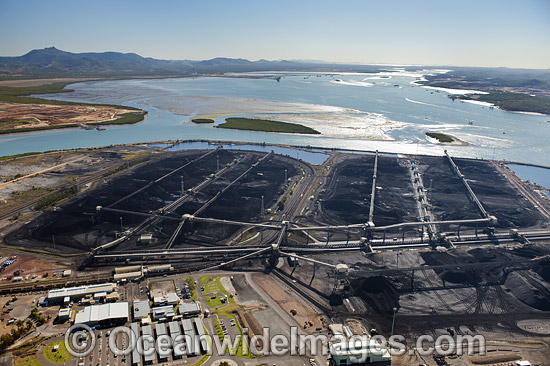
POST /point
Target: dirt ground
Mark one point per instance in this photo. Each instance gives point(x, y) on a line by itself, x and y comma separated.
point(18, 115)
point(163, 286)
point(31, 264)
point(289, 300)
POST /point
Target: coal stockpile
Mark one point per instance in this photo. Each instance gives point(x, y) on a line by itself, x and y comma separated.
point(241, 202)
point(394, 201)
point(78, 227)
point(265, 180)
point(378, 292)
point(497, 195)
point(531, 251)
point(348, 194)
point(469, 275)
point(446, 192)
point(528, 286)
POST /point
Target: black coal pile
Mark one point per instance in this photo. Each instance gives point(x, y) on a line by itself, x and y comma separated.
point(378, 292)
point(498, 195)
point(529, 290)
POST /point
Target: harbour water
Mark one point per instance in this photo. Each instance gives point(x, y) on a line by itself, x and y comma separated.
point(352, 111)
point(539, 176)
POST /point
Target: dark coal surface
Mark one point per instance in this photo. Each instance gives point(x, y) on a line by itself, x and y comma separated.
point(378, 292)
point(78, 227)
point(348, 194)
point(498, 195)
point(448, 196)
point(469, 275)
point(243, 201)
point(529, 290)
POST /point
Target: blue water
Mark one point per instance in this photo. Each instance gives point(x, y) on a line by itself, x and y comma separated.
point(537, 175)
point(492, 134)
point(307, 156)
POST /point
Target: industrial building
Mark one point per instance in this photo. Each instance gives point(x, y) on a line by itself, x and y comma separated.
point(170, 298)
point(148, 344)
point(128, 276)
point(160, 330)
point(189, 332)
point(159, 268)
point(63, 314)
point(163, 312)
point(141, 309)
point(175, 334)
point(128, 269)
point(136, 356)
point(189, 309)
point(56, 296)
point(205, 346)
point(369, 352)
point(103, 315)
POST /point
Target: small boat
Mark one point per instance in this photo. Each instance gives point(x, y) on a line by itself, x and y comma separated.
point(100, 128)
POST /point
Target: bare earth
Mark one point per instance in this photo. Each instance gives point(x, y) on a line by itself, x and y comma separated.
point(17, 115)
point(287, 300)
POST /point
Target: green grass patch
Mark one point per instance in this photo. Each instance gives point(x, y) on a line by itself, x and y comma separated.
point(214, 292)
point(28, 361)
point(204, 279)
point(7, 157)
point(192, 288)
point(441, 137)
point(264, 125)
point(126, 119)
point(202, 120)
point(53, 198)
point(59, 356)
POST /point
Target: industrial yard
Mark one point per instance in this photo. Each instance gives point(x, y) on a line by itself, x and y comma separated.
point(379, 243)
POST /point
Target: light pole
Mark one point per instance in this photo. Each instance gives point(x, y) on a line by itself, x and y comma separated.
point(393, 321)
point(120, 223)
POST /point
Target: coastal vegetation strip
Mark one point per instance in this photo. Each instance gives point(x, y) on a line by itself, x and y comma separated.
point(514, 102)
point(202, 120)
point(507, 94)
point(441, 137)
point(264, 125)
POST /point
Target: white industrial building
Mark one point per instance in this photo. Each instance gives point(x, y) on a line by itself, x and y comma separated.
point(56, 296)
point(163, 312)
point(141, 309)
point(63, 314)
point(189, 309)
point(103, 315)
point(362, 351)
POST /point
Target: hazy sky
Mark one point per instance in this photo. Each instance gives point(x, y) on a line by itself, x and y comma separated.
point(465, 32)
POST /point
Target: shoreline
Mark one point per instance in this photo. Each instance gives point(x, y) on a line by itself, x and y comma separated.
point(23, 96)
point(467, 95)
point(229, 143)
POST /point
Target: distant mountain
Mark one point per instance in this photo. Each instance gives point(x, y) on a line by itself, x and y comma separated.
point(51, 62)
